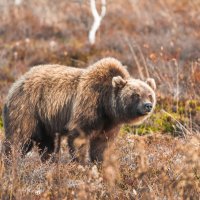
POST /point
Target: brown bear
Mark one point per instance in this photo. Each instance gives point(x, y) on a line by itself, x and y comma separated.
point(51, 101)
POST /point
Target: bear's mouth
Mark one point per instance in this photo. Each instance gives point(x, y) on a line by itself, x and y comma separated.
point(142, 113)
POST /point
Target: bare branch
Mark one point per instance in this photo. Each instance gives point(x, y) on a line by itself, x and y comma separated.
point(94, 9)
point(18, 2)
point(103, 8)
point(135, 58)
point(97, 19)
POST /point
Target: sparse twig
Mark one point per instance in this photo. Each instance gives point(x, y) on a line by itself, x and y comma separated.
point(144, 61)
point(177, 83)
point(135, 58)
point(181, 125)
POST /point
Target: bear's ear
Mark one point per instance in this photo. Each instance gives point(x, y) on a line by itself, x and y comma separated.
point(118, 82)
point(151, 82)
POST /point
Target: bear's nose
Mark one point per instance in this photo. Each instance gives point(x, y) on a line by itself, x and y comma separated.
point(148, 107)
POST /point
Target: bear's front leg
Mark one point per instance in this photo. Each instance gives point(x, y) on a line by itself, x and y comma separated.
point(99, 144)
point(97, 148)
point(77, 144)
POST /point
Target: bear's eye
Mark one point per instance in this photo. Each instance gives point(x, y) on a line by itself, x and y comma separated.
point(136, 96)
point(150, 97)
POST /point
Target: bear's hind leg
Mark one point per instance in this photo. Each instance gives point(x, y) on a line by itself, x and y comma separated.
point(46, 147)
point(27, 147)
point(49, 147)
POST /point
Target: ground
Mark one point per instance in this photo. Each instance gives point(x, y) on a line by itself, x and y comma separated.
point(160, 39)
point(147, 167)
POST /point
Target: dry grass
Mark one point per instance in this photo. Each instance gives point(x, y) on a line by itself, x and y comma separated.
point(148, 167)
point(157, 38)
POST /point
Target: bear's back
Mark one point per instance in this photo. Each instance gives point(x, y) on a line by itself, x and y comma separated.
point(45, 91)
point(47, 78)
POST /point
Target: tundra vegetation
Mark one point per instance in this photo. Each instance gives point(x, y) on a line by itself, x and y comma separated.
point(156, 160)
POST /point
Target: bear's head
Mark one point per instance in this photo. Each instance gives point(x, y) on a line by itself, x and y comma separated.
point(134, 99)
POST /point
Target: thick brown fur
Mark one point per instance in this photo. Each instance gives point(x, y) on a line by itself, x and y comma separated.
point(51, 101)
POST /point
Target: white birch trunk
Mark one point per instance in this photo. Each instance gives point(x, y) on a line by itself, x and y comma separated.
point(18, 2)
point(97, 19)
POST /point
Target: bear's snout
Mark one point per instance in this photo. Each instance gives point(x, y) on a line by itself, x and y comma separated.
point(148, 107)
point(144, 108)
